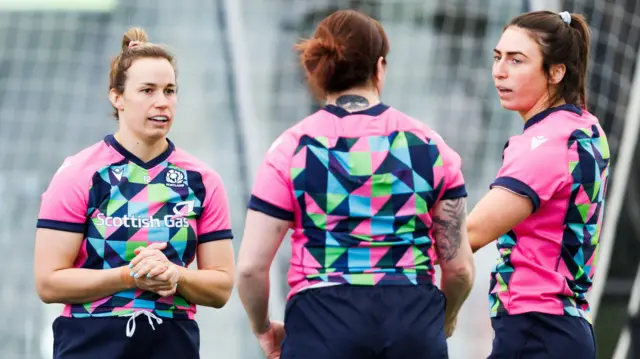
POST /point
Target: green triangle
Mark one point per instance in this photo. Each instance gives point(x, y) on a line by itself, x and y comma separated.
point(580, 273)
point(334, 200)
point(324, 141)
point(584, 210)
point(331, 254)
point(604, 147)
point(351, 142)
point(101, 229)
point(421, 205)
point(137, 174)
point(178, 301)
point(418, 255)
point(596, 190)
point(408, 227)
point(320, 220)
point(572, 166)
point(439, 162)
point(400, 141)
point(362, 279)
point(295, 172)
point(181, 236)
point(595, 239)
point(115, 205)
point(87, 307)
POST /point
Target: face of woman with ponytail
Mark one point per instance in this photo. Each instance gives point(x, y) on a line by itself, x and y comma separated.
point(541, 62)
point(143, 88)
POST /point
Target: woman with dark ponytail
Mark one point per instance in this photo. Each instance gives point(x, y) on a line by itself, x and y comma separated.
point(546, 206)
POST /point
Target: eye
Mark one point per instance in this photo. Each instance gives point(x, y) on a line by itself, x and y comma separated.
point(147, 90)
point(170, 91)
point(496, 58)
point(516, 61)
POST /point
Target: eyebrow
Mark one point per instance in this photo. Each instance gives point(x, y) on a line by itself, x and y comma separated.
point(511, 53)
point(151, 84)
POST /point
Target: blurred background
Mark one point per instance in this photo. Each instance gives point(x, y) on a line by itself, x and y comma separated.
point(240, 87)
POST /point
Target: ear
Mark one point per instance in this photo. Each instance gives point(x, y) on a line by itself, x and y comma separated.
point(116, 100)
point(556, 73)
point(381, 73)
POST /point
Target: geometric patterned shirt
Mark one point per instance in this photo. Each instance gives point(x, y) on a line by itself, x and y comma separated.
point(120, 203)
point(547, 262)
point(358, 189)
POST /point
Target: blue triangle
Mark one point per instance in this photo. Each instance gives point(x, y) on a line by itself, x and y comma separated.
point(402, 154)
point(322, 154)
point(119, 247)
point(334, 186)
point(97, 245)
point(399, 186)
point(420, 184)
point(578, 230)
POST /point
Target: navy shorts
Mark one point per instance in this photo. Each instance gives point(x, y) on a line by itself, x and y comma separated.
point(542, 336)
point(360, 322)
point(105, 338)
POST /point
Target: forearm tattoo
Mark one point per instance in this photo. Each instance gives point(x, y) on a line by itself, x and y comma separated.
point(448, 222)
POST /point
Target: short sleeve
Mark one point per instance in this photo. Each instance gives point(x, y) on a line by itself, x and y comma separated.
point(271, 193)
point(454, 186)
point(215, 221)
point(64, 205)
point(534, 167)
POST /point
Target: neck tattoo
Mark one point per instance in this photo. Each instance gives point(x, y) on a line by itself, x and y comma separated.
point(352, 103)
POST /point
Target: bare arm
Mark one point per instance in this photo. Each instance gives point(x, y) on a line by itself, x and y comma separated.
point(58, 282)
point(454, 253)
point(262, 238)
point(212, 283)
point(496, 214)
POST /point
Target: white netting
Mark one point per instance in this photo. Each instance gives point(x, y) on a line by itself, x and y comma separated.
point(53, 102)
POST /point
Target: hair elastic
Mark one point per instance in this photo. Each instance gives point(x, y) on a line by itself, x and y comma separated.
point(566, 17)
point(134, 43)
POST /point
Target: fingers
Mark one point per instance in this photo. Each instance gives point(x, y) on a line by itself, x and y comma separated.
point(152, 285)
point(155, 245)
point(144, 267)
point(140, 256)
point(166, 293)
point(156, 271)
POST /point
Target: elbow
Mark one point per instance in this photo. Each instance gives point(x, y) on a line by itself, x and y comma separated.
point(224, 293)
point(462, 272)
point(46, 292)
point(250, 273)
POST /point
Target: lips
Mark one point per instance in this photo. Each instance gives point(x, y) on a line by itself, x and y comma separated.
point(159, 119)
point(503, 90)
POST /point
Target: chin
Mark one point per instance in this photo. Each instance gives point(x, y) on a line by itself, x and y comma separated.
point(156, 134)
point(507, 105)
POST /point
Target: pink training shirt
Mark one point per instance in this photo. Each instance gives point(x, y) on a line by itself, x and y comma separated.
point(120, 203)
point(560, 162)
point(358, 188)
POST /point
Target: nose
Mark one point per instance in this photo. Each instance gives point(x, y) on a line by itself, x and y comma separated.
point(499, 70)
point(161, 100)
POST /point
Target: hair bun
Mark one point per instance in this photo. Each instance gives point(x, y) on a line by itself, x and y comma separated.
point(133, 37)
point(327, 48)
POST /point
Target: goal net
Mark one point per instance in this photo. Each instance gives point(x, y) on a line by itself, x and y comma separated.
point(240, 86)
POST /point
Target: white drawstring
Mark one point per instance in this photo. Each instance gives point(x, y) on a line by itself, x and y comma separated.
point(131, 323)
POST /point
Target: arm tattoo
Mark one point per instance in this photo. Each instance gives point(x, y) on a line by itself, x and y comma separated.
point(448, 223)
point(352, 103)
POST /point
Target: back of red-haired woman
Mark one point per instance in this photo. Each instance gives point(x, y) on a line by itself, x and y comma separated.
point(371, 196)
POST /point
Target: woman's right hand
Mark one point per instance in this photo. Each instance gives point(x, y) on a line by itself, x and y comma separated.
point(151, 277)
